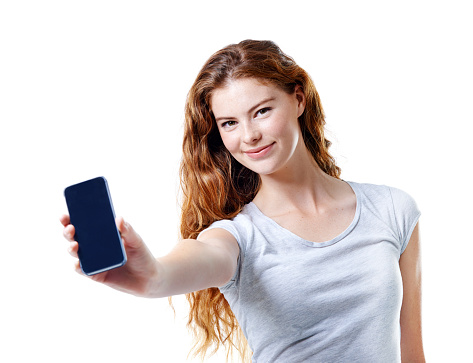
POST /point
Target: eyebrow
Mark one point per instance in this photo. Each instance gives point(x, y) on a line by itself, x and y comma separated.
point(251, 109)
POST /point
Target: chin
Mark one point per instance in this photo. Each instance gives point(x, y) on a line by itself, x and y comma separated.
point(266, 166)
point(262, 170)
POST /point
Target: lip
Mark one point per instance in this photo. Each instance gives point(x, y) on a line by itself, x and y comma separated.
point(259, 152)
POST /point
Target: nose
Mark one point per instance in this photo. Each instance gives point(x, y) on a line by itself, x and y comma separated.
point(251, 133)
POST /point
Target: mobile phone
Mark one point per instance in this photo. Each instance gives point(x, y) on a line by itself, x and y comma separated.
point(91, 213)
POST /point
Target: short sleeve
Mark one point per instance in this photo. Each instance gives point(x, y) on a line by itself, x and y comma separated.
point(225, 224)
point(238, 229)
point(406, 213)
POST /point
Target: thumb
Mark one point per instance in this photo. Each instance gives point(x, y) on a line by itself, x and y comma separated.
point(130, 237)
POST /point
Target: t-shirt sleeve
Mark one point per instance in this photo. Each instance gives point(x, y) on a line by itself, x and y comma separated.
point(225, 224)
point(406, 213)
point(235, 229)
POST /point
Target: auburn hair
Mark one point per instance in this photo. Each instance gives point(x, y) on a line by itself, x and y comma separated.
point(215, 186)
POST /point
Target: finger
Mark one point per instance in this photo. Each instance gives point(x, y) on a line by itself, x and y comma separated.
point(130, 237)
point(69, 232)
point(77, 268)
point(120, 222)
point(73, 249)
point(65, 220)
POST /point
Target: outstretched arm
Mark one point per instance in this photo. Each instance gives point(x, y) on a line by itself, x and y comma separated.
point(192, 265)
point(195, 265)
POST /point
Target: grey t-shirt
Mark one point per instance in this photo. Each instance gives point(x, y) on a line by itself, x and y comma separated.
point(335, 301)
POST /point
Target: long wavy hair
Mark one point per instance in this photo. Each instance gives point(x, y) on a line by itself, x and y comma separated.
point(215, 186)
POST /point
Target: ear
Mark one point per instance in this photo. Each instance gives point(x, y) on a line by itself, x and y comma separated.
point(300, 96)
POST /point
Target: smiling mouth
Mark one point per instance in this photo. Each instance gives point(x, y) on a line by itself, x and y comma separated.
point(259, 152)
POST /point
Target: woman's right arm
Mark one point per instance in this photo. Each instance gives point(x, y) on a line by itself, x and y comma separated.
point(195, 265)
point(191, 266)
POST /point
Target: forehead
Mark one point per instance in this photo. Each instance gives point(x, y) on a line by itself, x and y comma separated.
point(241, 94)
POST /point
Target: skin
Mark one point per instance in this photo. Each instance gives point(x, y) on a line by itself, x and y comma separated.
point(411, 321)
point(191, 266)
point(295, 192)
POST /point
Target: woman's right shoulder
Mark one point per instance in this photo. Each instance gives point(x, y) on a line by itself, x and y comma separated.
point(239, 227)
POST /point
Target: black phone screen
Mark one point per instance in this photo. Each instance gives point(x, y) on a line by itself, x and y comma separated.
point(91, 212)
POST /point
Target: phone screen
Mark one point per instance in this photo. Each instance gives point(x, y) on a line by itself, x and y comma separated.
point(91, 212)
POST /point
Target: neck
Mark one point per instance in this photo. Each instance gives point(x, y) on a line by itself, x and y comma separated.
point(303, 186)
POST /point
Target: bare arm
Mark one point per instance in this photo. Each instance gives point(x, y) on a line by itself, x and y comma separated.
point(199, 264)
point(411, 325)
point(191, 266)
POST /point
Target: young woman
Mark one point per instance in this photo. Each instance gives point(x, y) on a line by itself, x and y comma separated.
point(276, 248)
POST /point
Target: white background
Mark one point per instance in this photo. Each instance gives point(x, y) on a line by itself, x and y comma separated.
point(91, 88)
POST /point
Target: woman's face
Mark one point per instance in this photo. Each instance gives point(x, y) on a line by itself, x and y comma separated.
point(258, 123)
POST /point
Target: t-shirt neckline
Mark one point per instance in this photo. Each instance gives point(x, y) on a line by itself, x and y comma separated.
point(308, 243)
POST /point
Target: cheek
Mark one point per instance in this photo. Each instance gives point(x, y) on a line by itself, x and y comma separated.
point(279, 129)
point(230, 142)
point(285, 129)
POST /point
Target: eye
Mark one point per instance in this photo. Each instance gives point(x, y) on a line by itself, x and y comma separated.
point(228, 124)
point(263, 111)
